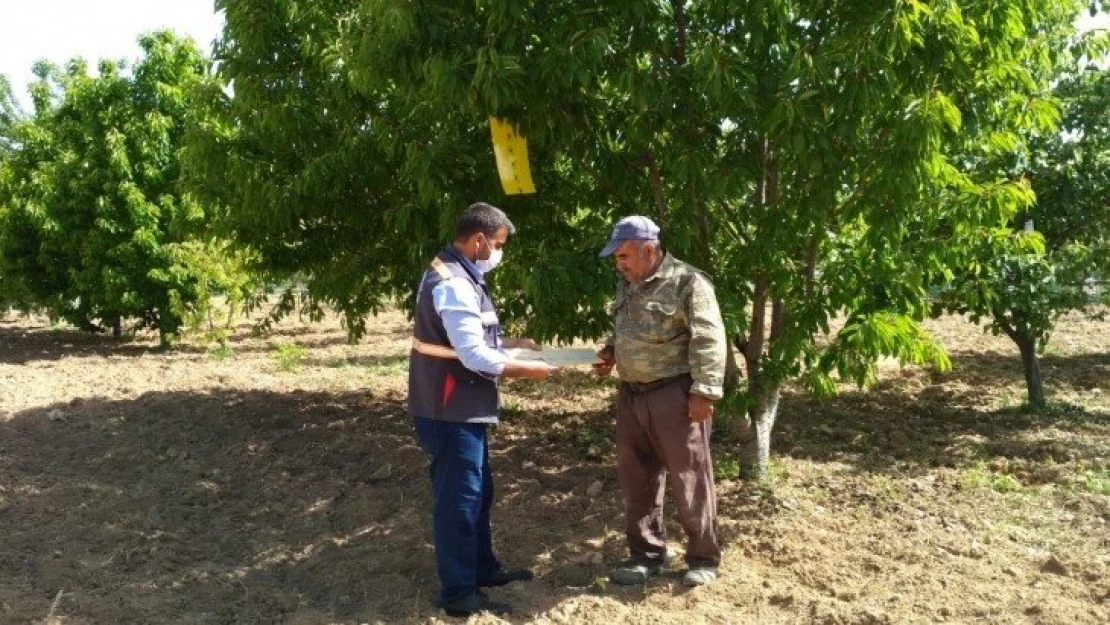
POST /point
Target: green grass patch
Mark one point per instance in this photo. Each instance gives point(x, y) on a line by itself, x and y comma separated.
point(980, 477)
point(289, 356)
point(1097, 482)
point(511, 410)
point(818, 494)
point(221, 352)
point(596, 433)
point(776, 473)
point(886, 488)
point(974, 478)
point(1003, 483)
point(389, 365)
point(726, 467)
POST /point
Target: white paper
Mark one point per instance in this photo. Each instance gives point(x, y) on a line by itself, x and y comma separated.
point(557, 356)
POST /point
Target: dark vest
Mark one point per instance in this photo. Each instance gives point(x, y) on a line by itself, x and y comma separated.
point(442, 388)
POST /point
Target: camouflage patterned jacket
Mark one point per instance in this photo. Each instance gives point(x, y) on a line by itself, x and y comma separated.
point(669, 325)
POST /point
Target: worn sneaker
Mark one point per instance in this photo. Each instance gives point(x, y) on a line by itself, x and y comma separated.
point(700, 576)
point(635, 573)
point(475, 603)
point(503, 576)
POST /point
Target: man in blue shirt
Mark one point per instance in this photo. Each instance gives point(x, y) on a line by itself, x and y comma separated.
point(456, 359)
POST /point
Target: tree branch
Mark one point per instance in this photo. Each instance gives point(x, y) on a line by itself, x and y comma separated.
point(864, 178)
point(811, 264)
point(753, 347)
point(778, 317)
point(680, 23)
point(1007, 328)
point(741, 236)
point(709, 261)
point(657, 188)
point(767, 195)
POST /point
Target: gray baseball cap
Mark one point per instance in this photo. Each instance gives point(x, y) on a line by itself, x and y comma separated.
point(634, 228)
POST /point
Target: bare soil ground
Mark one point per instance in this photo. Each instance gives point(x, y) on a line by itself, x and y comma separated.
point(278, 482)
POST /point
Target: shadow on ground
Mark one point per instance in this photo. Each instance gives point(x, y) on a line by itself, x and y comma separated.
point(260, 507)
point(1076, 372)
point(19, 345)
point(946, 420)
point(312, 507)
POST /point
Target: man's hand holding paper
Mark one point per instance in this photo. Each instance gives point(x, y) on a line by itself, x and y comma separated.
point(556, 356)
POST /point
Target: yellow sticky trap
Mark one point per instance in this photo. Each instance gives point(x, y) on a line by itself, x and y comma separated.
point(511, 151)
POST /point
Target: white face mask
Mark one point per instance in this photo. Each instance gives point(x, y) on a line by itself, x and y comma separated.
point(492, 262)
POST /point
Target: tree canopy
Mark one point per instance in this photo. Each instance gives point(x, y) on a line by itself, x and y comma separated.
point(352, 191)
point(9, 113)
point(814, 157)
point(92, 216)
point(1055, 257)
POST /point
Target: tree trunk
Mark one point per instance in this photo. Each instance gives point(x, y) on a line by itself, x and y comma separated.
point(751, 429)
point(164, 334)
point(1027, 345)
point(117, 328)
point(679, 7)
point(656, 181)
point(763, 395)
point(755, 448)
point(1029, 361)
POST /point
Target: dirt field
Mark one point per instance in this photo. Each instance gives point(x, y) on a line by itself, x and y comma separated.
point(278, 482)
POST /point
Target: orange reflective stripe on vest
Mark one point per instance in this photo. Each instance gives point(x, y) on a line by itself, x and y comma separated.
point(433, 350)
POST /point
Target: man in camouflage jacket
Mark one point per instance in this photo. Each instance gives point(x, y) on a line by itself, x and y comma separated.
point(669, 348)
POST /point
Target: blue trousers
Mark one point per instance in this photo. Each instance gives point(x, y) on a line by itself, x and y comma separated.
point(462, 493)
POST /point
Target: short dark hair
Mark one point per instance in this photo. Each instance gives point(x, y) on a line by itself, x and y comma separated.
point(484, 218)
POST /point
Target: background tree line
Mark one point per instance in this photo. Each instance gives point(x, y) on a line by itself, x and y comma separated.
point(843, 169)
point(95, 226)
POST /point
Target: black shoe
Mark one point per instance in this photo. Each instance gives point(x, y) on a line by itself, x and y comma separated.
point(473, 604)
point(503, 576)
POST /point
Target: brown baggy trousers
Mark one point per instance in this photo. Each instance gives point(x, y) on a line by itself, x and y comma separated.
point(656, 443)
